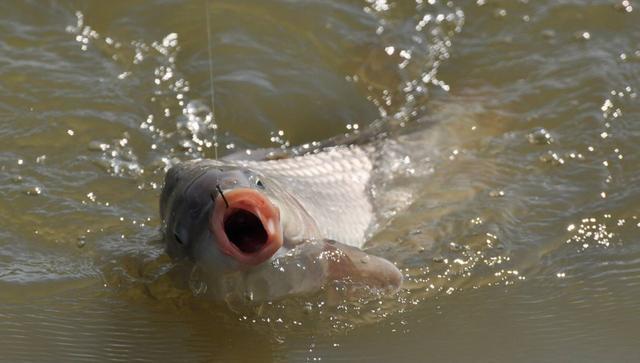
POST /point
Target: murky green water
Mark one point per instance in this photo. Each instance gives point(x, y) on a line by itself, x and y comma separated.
point(520, 245)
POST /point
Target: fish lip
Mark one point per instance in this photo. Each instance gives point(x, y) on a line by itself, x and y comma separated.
point(259, 205)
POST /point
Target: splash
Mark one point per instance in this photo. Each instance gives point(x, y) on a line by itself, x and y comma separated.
point(424, 46)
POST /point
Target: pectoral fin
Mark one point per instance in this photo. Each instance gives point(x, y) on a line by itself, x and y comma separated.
point(358, 269)
point(344, 272)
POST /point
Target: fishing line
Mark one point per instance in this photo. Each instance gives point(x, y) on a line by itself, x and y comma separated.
point(222, 195)
point(213, 114)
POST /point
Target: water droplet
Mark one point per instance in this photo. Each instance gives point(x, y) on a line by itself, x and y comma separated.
point(540, 137)
point(455, 246)
point(496, 193)
point(33, 191)
point(624, 6)
point(500, 13)
point(552, 158)
point(98, 146)
point(82, 241)
point(308, 307)
point(582, 35)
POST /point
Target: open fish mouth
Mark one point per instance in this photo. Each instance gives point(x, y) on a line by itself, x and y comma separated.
point(246, 226)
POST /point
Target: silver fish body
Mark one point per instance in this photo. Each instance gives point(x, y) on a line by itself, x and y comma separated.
point(272, 228)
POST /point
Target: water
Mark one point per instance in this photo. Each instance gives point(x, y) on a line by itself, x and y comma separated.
point(520, 243)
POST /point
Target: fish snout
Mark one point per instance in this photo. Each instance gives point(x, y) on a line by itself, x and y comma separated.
point(246, 226)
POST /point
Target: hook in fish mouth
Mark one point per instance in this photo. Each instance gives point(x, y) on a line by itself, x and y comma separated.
point(246, 226)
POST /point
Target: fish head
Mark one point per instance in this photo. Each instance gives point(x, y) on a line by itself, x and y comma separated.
point(223, 217)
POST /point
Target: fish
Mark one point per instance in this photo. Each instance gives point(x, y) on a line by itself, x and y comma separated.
point(266, 228)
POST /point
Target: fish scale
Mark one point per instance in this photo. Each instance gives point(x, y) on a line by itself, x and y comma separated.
point(332, 186)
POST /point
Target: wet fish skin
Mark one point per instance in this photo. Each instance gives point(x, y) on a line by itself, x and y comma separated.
point(319, 198)
point(187, 200)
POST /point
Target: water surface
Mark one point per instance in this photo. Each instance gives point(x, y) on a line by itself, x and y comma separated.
point(519, 242)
